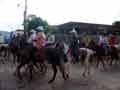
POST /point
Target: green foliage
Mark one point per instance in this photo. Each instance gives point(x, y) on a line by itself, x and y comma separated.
point(50, 29)
point(33, 22)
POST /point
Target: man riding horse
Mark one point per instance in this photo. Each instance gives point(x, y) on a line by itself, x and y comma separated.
point(35, 52)
point(74, 46)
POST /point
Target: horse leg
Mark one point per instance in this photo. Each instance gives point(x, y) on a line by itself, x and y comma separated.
point(2, 60)
point(111, 61)
point(18, 70)
point(116, 59)
point(31, 70)
point(82, 60)
point(97, 62)
point(37, 67)
point(89, 64)
point(54, 75)
point(40, 67)
point(4, 55)
point(103, 63)
point(14, 58)
point(107, 60)
point(43, 68)
point(8, 55)
point(62, 70)
point(86, 66)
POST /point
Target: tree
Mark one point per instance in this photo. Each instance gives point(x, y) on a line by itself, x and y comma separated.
point(33, 22)
point(116, 24)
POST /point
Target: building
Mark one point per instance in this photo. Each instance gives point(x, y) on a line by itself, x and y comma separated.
point(63, 31)
point(86, 27)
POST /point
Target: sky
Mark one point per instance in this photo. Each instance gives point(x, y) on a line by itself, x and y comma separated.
point(59, 11)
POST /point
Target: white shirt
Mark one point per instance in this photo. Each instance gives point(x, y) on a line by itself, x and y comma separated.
point(101, 39)
point(14, 34)
point(66, 48)
point(32, 37)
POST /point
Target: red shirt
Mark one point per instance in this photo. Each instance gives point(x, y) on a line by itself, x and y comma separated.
point(112, 41)
point(40, 40)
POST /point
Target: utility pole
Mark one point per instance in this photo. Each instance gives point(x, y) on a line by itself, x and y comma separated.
point(25, 16)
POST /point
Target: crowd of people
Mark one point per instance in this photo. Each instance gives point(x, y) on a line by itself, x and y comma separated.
point(101, 39)
point(35, 37)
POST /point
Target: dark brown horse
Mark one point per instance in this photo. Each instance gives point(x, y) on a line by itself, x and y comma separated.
point(55, 56)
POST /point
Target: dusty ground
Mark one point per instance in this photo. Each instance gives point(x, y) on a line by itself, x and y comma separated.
point(99, 80)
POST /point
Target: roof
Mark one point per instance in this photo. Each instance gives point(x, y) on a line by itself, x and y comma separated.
point(81, 26)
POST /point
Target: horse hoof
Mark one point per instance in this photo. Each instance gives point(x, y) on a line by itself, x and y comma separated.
point(29, 80)
point(14, 74)
point(49, 82)
point(84, 75)
point(67, 77)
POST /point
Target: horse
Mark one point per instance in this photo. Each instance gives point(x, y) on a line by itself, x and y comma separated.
point(13, 48)
point(54, 55)
point(88, 56)
point(3, 52)
point(74, 50)
point(100, 53)
point(103, 53)
point(114, 55)
point(84, 55)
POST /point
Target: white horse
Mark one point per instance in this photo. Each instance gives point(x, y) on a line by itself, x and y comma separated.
point(88, 55)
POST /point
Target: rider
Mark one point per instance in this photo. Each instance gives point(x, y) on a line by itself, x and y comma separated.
point(13, 34)
point(111, 40)
point(32, 36)
point(37, 41)
point(102, 43)
point(101, 40)
point(40, 37)
point(74, 46)
point(87, 39)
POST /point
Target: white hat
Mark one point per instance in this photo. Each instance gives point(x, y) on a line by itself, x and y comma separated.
point(40, 28)
point(73, 31)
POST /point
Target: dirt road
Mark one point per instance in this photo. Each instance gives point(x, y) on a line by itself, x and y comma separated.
point(99, 80)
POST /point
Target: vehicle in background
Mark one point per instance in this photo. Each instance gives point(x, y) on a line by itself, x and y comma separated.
point(4, 37)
